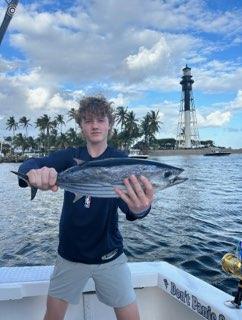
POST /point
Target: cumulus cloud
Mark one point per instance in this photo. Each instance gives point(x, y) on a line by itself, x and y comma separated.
point(113, 46)
point(218, 22)
point(120, 100)
point(81, 45)
point(28, 94)
point(214, 119)
point(218, 76)
point(37, 98)
point(237, 103)
point(147, 58)
point(59, 102)
point(173, 15)
point(7, 65)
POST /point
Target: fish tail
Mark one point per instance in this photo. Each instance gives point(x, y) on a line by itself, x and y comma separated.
point(22, 176)
point(33, 192)
point(25, 178)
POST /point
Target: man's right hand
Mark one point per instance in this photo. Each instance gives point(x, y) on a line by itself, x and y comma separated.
point(44, 178)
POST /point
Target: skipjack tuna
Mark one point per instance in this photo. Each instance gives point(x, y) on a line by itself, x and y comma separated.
point(98, 178)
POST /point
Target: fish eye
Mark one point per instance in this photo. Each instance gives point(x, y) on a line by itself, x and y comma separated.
point(167, 174)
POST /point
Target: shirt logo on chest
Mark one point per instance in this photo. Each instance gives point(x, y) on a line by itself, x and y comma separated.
point(87, 202)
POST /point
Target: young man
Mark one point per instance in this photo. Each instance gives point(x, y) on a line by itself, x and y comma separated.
point(90, 244)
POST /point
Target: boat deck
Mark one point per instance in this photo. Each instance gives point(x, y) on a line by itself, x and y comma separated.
point(163, 292)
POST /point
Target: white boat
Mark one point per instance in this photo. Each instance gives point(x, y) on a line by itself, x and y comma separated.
point(217, 152)
point(164, 292)
point(135, 153)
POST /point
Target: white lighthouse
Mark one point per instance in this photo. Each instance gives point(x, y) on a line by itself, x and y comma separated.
point(187, 131)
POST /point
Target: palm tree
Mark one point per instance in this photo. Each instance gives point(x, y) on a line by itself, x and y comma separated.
point(12, 125)
point(131, 123)
point(59, 121)
point(145, 129)
point(72, 137)
point(32, 144)
point(72, 115)
point(7, 146)
point(115, 140)
point(131, 129)
point(150, 125)
point(62, 141)
point(154, 121)
point(45, 124)
point(121, 116)
point(41, 142)
point(53, 134)
point(40, 124)
point(53, 128)
point(25, 123)
point(20, 141)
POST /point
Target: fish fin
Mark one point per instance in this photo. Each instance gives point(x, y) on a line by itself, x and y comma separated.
point(79, 162)
point(22, 176)
point(33, 192)
point(78, 196)
point(25, 178)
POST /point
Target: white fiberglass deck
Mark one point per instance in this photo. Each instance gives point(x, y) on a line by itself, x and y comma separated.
point(163, 292)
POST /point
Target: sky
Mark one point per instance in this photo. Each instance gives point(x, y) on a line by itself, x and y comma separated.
point(131, 51)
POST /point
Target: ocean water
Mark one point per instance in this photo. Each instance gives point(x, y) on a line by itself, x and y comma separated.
point(191, 225)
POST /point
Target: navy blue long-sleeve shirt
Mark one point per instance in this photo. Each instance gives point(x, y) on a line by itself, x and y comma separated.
point(87, 234)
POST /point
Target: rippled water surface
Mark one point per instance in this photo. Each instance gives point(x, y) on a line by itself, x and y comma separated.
point(191, 225)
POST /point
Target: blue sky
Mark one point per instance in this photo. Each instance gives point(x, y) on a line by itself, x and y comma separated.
point(132, 51)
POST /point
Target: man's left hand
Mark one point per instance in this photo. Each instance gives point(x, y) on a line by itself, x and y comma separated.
point(139, 194)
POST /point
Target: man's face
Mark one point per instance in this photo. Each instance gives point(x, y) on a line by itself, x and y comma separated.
point(95, 128)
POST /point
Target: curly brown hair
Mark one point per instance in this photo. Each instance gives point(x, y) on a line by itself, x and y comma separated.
point(95, 106)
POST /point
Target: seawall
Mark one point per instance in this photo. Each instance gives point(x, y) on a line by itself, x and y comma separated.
point(189, 152)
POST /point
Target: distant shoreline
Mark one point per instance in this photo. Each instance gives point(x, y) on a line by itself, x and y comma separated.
point(183, 152)
point(152, 153)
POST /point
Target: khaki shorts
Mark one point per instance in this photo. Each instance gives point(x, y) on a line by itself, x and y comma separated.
point(112, 281)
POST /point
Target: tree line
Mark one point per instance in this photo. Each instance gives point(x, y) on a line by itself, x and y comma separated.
point(128, 131)
point(52, 133)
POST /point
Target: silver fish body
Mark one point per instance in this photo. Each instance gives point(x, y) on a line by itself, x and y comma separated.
point(99, 177)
